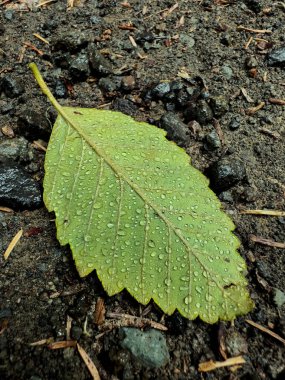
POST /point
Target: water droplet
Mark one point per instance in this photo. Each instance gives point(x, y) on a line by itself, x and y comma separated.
point(97, 205)
point(110, 225)
point(151, 243)
point(187, 300)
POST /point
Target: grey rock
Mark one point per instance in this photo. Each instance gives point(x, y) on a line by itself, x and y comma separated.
point(34, 125)
point(79, 67)
point(160, 90)
point(73, 40)
point(219, 105)
point(9, 14)
point(279, 297)
point(99, 63)
point(7, 108)
point(12, 87)
point(226, 196)
point(227, 72)
point(225, 173)
point(277, 57)
point(60, 90)
point(148, 347)
point(187, 40)
point(176, 130)
point(110, 84)
point(76, 332)
point(212, 141)
point(199, 111)
point(18, 189)
point(251, 62)
point(235, 343)
point(16, 149)
point(125, 106)
point(234, 124)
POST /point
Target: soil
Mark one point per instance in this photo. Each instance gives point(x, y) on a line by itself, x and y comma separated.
point(196, 44)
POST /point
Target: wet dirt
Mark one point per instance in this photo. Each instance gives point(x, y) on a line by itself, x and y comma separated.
point(113, 54)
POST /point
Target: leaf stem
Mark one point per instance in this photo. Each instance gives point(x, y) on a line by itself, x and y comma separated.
point(45, 88)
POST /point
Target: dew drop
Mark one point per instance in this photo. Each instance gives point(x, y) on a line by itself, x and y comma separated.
point(110, 225)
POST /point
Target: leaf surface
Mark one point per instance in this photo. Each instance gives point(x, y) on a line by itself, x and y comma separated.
point(131, 207)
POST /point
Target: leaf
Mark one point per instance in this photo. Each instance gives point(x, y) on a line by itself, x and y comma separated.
point(130, 206)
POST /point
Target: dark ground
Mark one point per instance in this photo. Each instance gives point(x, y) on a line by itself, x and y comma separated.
point(200, 38)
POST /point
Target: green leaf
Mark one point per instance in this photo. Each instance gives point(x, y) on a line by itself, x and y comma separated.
point(132, 208)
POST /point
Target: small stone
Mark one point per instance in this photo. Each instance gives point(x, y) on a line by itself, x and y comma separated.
point(235, 343)
point(158, 91)
point(79, 67)
point(69, 41)
point(225, 173)
point(110, 84)
point(234, 124)
point(34, 125)
point(148, 347)
point(176, 130)
point(18, 189)
point(279, 297)
point(277, 57)
point(199, 111)
point(186, 40)
point(76, 332)
point(16, 149)
point(99, 63)
point(251, 62)
point(12, 87)
point(212, 141)
point(227, 72)
point(95, 20)
point(60, 90)
point(7, 108)
point(9, 14)
point(219, 105)
point(128, 83)
point(226, 196)
point(125, 106)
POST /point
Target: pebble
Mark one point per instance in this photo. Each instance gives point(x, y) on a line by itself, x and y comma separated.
point(159, 91)
point(219, 105)
point(176, 130)
point(18, 189)
point(212, 140)
point(187, 40)
point(148, 347)
point(99, 63)
point(16, 149)
point(9, 14)
point(279, 297)
point(235, 343)
point(227, 72)
point(277, 57)
point(225, 173)
point(125, 106)
point(251, 62)
point(60, 90)
point(12, 87)
point(128, 83)
point(110, 84)
point(34, 125)
point(199, 111)
point(79, 67)
point(234, 124)
point(76, 332)
point(69, 41)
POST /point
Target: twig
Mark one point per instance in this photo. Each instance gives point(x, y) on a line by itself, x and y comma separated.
point(12, 244)
point(267, 331)
point(137, 321)
point(263, 212)
point(211, 365)
point(89, 363)
point(259, 31)
point(280, 102)
point(268, 242)
point(253, 110)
